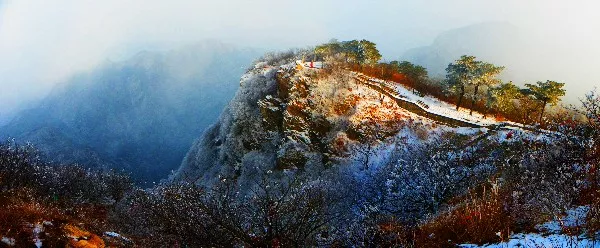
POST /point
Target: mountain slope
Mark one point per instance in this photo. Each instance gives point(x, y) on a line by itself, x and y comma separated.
point(140, 115)
point(288, 119)
point(486, 40)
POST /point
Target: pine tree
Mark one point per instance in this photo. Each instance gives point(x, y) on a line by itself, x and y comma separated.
point(329, 49)
point(503, 95)
point(548, 92)
point(415, 74)
point(368, 52)
point(360, 52)
point(486, 74)
point(460, 74)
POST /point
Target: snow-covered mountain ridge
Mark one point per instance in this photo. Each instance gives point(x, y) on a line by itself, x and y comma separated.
point(289, 117)
point(390, 153)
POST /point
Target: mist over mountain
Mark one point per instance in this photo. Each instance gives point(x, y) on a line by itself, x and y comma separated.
point(4, 120)
point(487, 40)
point(528, 56)
point(140, 115)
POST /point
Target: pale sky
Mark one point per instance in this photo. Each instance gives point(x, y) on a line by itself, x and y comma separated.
point(43, 42)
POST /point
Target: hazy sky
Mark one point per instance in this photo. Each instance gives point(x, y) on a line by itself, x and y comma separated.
point(42, 42)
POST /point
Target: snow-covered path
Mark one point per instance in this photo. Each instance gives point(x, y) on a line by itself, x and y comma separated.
point(417, 107)
point(436, 109)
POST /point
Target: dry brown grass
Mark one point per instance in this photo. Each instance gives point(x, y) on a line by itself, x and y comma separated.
point(482, 216)
point(79, 238)
point(479, 222)
point(21, 213)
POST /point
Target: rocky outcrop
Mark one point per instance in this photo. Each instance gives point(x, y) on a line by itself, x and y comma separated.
point(284, 119)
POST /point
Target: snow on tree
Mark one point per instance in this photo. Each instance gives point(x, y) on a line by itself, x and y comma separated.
point(355, 51)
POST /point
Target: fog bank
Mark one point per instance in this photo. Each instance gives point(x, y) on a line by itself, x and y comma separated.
point(44, 42)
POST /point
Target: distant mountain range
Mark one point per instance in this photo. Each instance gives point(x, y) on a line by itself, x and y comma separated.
point(496, 42)
point(528, 56)
point(140, 115)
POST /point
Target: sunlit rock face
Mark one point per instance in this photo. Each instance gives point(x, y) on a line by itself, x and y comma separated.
point(289, 120)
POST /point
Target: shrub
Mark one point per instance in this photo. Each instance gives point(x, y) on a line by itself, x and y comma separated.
point(282, 58)
point(21, 167)
point(480, 220)
point(285, 212)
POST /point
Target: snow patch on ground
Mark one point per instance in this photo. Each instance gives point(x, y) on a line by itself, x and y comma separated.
point(37, 230)
point(535, 240)
point(8, 241)
point(115, 235)
point(437, 106)
point(572, 218)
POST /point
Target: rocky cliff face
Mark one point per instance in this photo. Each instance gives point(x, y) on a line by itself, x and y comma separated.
point(287, 120)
